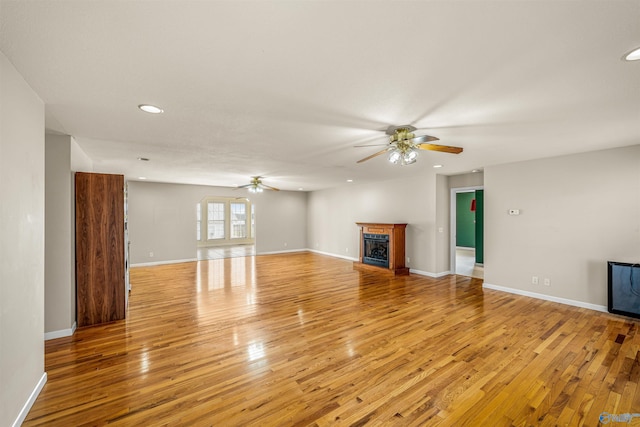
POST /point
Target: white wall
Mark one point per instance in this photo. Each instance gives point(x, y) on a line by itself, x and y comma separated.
point(80, 162)
point(443, 221)
point(466, 180)
point(63, 156)
point(162, 220)
point(21, 245)
point(577, 213)
point(333, 214)
point(281, 221)
point(59, 305)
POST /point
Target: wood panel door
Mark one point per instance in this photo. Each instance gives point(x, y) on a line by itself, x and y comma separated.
point(100, 265)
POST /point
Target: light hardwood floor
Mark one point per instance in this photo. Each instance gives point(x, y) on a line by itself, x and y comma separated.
point(217, 252)
point(466, 263)
point(303, 339)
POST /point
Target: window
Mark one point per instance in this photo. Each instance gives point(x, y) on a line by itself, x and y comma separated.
point(238, 220)
point(215, 220)
point(225, 221)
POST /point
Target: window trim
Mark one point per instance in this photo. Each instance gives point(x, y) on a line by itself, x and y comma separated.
point(227, 240)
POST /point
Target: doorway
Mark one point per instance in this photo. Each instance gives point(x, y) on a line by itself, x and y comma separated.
point(467, 231)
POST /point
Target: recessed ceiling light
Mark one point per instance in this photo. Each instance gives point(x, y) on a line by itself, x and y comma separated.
point(143, 159)
point(437, 166)
point(148, 108)
point(634, 55)
point(349, 180)
point(300, 188)
point(142, 177)
point(475, 170)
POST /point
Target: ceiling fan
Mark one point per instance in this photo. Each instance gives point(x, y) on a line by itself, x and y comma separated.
point(256, 185)
point(403, 145)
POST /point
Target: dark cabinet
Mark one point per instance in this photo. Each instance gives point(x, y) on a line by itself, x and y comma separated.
point(100, 248)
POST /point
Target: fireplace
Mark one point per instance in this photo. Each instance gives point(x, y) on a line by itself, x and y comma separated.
point(382, 248)
point(376, 249)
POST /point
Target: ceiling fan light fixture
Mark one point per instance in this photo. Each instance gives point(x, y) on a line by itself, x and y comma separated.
point(256, 185)
point(403, 157)
point(395, 157)
point(404, 146)
point(409, 157)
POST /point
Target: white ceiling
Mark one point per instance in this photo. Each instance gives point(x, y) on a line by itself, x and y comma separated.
point(285, 89)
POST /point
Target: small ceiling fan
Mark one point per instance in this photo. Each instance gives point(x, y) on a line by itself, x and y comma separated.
point(256, 185)
point(403, 145)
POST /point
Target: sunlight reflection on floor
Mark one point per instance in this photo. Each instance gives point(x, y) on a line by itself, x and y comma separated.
point(466, 263)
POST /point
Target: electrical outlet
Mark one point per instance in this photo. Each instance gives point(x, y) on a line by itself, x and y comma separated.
point(534, 280)
point(150, 254)
point(547, 281)
point(285, 244)
point(346, 250)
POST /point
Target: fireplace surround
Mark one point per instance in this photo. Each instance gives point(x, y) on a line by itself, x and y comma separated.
point(382, 248)
point(375, 249)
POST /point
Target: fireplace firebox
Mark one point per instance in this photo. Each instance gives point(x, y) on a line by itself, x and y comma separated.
point(382, 248)
point(376, 249)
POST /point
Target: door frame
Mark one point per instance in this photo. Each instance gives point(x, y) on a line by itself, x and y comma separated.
point(452, 222)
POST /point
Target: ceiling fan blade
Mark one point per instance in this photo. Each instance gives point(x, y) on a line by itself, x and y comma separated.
point(424, 138)
point(268, 187)
point(243, 186)
point(375, 155)
point(442, 148)
point(372, 145)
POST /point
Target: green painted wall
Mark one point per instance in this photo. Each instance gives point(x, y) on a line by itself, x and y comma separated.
point(465, 220)
point(479, 226)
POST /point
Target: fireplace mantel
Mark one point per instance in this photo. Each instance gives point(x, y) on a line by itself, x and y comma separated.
point(395, 253)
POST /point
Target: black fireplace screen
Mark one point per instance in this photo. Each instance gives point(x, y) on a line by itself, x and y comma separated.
point(376, 249)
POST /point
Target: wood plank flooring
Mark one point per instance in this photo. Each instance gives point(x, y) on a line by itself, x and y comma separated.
point(303, 339)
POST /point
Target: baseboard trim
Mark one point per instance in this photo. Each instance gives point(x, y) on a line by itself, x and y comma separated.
point(348, 258)
point(22, 415)
point(61, 333)
point(174, 261)
point(565, 301)
point(428, 274)
point(288, 251)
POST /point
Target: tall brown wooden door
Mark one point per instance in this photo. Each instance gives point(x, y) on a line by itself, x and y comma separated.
point(100, 264)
